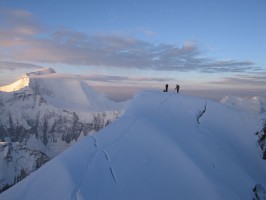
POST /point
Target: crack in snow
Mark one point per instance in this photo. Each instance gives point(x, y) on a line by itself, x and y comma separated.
point(120, 137)
point(85, 172)
point(110, 166)
point(95, 141)
point(126, 131)
point(113, 175)
point(106, 155)
point(75, 192)
point(201, 113)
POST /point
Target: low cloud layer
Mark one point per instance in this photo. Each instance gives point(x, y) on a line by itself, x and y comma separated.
point(247, 80)
point(21, 40)
point(101, 78)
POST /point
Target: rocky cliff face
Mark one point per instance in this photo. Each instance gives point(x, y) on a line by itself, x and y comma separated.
point(262, 141)
point(33, 130)
point(17, 161)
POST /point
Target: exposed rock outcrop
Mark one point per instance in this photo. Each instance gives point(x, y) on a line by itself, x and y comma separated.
point(262, 141)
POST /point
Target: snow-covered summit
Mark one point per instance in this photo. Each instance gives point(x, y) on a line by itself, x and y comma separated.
point(63, 91)
point(252, 104)
point(24, 80)
point(165, 146)
point(17, 85)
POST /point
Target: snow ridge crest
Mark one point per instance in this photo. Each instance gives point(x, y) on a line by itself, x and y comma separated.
point(24, 81)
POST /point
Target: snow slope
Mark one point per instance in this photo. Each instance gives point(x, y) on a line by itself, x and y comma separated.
point(19, 84)
point(166, 146)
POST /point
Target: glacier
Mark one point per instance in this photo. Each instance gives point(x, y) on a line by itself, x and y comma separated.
point(165, 146)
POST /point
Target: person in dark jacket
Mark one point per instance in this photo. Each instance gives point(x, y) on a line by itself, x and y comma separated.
point(166, 88)
point(177, 88)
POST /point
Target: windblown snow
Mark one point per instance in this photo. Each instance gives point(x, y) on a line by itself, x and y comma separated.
point(166, 146)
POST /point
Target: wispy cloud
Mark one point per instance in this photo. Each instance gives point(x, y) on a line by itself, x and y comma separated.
point(11, 66)
point(17, 24)
point(20, 42)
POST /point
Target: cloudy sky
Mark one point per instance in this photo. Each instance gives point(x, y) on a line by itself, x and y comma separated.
point(210, 48)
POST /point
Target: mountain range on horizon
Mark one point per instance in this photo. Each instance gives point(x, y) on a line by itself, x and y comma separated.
point(157, 146)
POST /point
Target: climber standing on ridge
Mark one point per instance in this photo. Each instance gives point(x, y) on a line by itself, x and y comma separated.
point(166, 88)
point(177, 88)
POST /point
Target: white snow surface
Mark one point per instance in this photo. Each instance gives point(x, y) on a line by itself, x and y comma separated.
point(72, 94)
point(251, 104)
point(17, 85)
point(166, 146)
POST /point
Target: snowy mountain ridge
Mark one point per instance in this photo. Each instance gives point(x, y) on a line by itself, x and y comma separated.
point(41, 116)
point(24, 81)
point(65, 93)
point(166, 146)
point(19, 84)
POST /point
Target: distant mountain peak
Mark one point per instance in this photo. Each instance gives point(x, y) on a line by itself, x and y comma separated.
point(63, 92)
point(17, 85)
point(24, 81)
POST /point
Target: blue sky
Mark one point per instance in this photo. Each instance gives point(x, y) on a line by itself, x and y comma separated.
point(210, 47)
